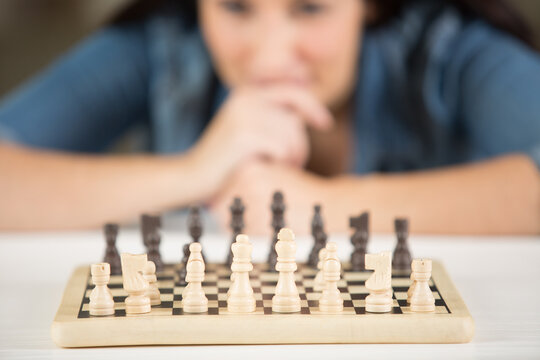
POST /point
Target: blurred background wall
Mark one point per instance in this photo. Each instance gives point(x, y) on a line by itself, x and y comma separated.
point(35, 32)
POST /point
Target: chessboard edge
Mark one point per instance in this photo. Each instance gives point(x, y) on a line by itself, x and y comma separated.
point(71, 302)
point(453, 299)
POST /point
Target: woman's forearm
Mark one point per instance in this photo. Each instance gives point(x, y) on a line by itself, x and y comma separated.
point(52, 190)
point(499, 196)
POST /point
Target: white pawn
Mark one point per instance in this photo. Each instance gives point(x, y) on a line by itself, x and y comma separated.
point(379, 283)
point(286, 299)
point(149, 274)
point(241, 298)
point(193, 298)
point(101, 300)
point(318, 283)
point(135, 284)
point(422, 299)
point(331, 300)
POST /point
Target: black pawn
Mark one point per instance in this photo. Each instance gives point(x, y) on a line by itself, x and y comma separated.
point(278, 222)
point(146, 223)
point(237, 224)
point(183, 266)
point(195, 226)
point(111, 253)
point(319, 236)
point(150, 229)
point(401, 259)
point(359, 240)
point(154, 241)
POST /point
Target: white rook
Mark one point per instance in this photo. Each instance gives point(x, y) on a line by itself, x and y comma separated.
point(101, 300)
point(422, 299)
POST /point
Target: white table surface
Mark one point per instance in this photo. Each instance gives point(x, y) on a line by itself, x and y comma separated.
point(498, 278)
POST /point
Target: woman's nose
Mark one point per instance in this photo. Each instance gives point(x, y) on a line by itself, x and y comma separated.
point(274, 56)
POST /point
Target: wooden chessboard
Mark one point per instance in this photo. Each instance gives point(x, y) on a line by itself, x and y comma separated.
point(168, 324)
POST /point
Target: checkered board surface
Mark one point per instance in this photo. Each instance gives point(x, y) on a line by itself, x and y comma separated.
point(168, 324)
point(217, 283)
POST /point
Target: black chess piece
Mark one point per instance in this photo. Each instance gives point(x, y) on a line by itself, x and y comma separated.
point(111, 253)
point(319, 236)
point(150, 229)
point(278, 222)
point(401, 259)
point(183, 266)
point(195, 226)
point(146, 223)
point(153, 242)
point(359, 239)
point(237, 223)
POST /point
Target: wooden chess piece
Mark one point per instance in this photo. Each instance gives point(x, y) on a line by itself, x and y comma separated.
point(379, 283)
point(153, 240)
point(195, 226)
point(182, 272)
point(146, 225)
point(286, 298)
point(319, 236)
point(359, 240)
point(135, 284)
point(101, 300)
point(422, 299)
point(278, 222)
point(402, 257)
point(111, 253)
point(241, 298)
point(237, 209)
point(411, 288)
point(149, 275)
point(331, 300)
point(319, 283)
point(193, 298)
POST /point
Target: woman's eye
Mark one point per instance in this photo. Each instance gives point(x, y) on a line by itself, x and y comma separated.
point(238, 7)
point(309, 8)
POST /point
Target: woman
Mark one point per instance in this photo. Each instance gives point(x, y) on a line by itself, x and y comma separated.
point(427, 109)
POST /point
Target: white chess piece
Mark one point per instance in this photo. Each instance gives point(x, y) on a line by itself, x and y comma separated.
point(193, 298)
point(241, 298)
point(331, 300)
point(135, 284)
point(101, 300)
point(231, 284)
point(286, 298)
point(379, 283)
point(411, 288)
point(422, 299)
point(318, 283)
point(149, 274)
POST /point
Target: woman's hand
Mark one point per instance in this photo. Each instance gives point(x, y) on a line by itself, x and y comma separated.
point(256, 182)
point(260, 123)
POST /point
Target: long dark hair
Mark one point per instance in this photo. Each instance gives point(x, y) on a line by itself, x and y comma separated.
point(497, 12)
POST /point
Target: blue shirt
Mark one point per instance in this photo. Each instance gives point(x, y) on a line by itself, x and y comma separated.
point(434, 88)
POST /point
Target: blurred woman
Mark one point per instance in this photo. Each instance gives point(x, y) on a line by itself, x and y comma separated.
point(425, 109)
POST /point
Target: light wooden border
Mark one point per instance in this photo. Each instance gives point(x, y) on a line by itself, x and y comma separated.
point(69, 331)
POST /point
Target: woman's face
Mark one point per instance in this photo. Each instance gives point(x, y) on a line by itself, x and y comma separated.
point(310, 43)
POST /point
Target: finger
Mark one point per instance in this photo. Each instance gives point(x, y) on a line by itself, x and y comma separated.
point(311, 110)
point(287, 136)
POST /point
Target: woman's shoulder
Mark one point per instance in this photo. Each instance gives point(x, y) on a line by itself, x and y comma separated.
point(435, 49)
point(438, 33)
